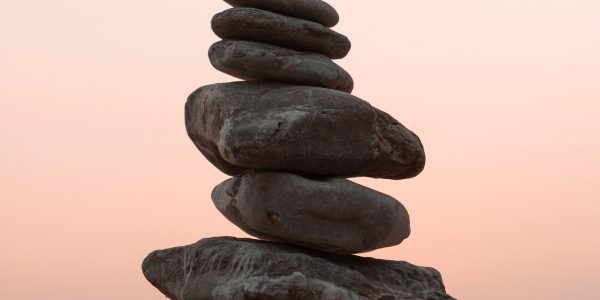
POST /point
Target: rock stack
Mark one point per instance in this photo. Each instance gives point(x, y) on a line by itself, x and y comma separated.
point(290, 135)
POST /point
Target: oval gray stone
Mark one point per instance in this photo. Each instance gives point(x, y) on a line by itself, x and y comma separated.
point(263, 26)
point(301, 129)
point(229, 268)
point(256, 61)
point(312, 10)
point(333, 214)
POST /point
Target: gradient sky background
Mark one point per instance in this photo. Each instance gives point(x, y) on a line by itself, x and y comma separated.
point(96, 170)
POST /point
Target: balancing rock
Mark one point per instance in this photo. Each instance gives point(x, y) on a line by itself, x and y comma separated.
point(228, 268)
point(332, 214)
point(291, 135)
point(306, 130)
point(259, 61)
point(312, 10)
point(263, 26)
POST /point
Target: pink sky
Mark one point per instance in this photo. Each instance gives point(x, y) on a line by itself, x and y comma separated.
point(96, 169)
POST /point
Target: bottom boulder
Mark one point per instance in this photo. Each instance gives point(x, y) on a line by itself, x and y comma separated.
point(229, 268)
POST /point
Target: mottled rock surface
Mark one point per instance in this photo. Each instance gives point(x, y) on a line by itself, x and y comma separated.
point(313, 10)
point(263, 26)
point(259, 61)
point(228, 268)
point(334, 214)
point(306, 130)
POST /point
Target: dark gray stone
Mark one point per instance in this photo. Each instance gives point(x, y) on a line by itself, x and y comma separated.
point(263, 26)
point(306, 130)
point(333, 215)
point(228, 268)
point(313, 10)
point(259, 61)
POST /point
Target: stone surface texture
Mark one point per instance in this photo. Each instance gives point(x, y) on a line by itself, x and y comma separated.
point(259, 61)
point(330, 214)
point(228, 268)
point(313, 10)
point(263, 26)
point(306, 130)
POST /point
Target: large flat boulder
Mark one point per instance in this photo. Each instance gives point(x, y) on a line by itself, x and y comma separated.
point(313, 10)
point(305, 130)
point(259, 61)
point(329, 214)
point(263, 26)
point(228, 268)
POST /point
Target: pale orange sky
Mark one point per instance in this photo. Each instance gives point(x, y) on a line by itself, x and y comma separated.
point(96, 169)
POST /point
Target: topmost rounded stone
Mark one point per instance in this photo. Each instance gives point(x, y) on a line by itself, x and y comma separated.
point(312, 10)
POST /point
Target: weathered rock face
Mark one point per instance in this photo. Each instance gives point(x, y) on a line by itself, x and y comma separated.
point(267, 27)
point(259, 61)
point(228, 268)
point(333, 215)
point(313, 10)
point(307, 130)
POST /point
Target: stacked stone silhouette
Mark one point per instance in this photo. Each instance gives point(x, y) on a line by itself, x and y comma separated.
point(290, 135)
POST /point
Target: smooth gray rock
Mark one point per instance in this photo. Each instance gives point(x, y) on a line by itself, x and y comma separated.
point(333, 215)
point(263, 26)
point(228, 268)
point(306, 130)
point(312, 10)
point(259, 61)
